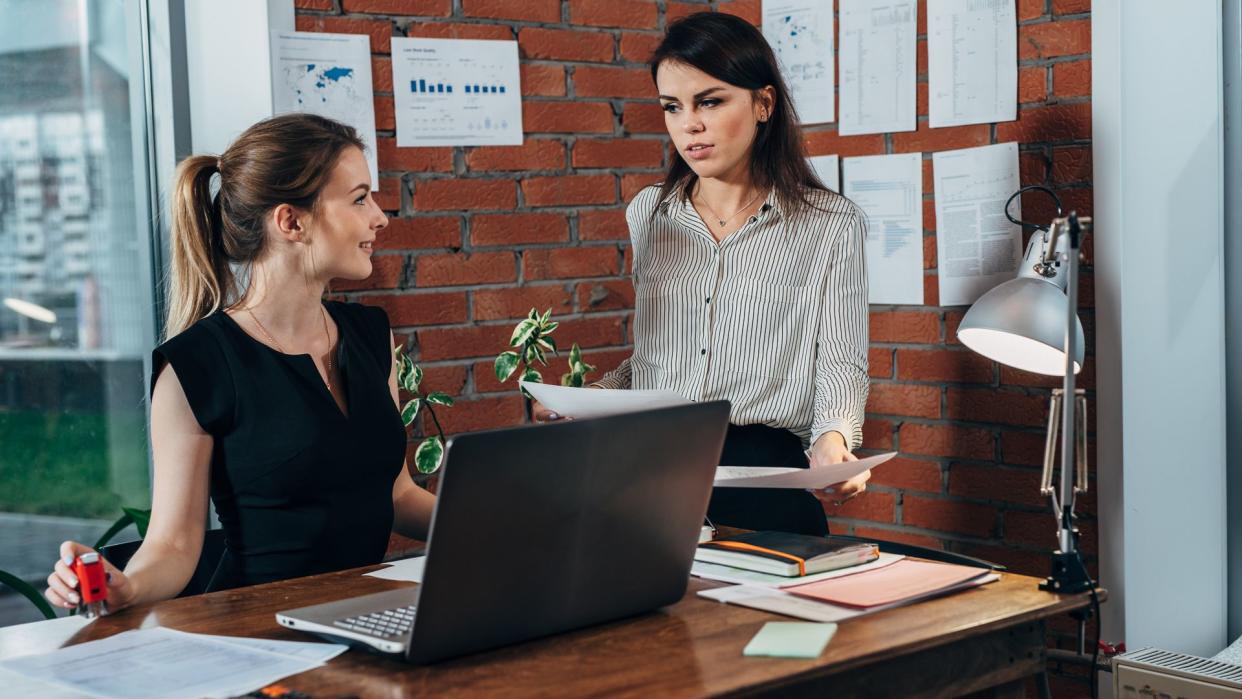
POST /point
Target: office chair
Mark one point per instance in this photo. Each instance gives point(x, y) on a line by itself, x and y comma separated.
point(208, 560)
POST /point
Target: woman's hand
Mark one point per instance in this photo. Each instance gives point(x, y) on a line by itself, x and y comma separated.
point(542, 414)
point(62, 584)
point(830, 449)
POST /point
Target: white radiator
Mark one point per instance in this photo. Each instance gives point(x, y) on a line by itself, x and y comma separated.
point(1151, 673)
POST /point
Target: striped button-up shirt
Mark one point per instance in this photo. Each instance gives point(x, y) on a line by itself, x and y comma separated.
point(773, 318)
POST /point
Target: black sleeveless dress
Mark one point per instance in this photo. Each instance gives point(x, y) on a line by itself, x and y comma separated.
point(299, 487)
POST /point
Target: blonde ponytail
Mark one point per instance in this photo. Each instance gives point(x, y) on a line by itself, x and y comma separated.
point(201, 278)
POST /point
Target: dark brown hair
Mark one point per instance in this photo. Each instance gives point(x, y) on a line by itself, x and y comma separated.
point(731, 49)
point(287, 159)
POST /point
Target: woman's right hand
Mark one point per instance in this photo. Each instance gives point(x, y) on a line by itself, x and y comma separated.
point(542, 414)
point(62, 584)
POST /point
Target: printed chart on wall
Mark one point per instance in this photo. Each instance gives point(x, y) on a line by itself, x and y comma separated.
point(801, 34)
point(972, 56)
point(878, 45)
point(977, 246)
point(889, 190)
point(328, 75)
point(456, 92)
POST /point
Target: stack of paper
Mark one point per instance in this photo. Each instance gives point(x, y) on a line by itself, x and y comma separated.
point(162, 663)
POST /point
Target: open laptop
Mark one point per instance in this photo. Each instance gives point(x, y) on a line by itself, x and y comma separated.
point(543, 529)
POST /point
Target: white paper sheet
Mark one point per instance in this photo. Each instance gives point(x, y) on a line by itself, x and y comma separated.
point(41, 636)
point(456, 92)
point(160, 663)
point(406, 569)
point(801, 34)
point(16, 685)
point(328, 75)
point(804, 478)
point(889, 190)
point(877, 54)
point(972, 61)
point(304, 650)
point(828, 167)
point(977, 247)
point(599, 402)
point(740, 576)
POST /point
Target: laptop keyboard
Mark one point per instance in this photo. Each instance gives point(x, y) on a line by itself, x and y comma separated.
point(383, 624)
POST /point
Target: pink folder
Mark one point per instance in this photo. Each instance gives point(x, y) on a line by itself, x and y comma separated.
point(906, 580)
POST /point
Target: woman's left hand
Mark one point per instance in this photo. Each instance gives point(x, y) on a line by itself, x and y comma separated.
point(830, 449)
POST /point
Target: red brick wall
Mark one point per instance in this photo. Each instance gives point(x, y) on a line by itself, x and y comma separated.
point(480, 235)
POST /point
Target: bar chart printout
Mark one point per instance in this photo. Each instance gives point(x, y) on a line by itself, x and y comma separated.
point(456, 92)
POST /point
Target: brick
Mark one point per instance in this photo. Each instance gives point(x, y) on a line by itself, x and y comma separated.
point(1032, 84)
point(569, 190)
point(880, 362)
point(449, 378)
point(458, 269)
point(829, 142)
point(927, 139)
point(618, 153)
point(899, 536)
point(1069, 7)
point(1033, 529)
point(569, 263)
point(905, 326)
point(381, 73)
point(1060, 122)
point(637, 47)
point(676, 10)
point(996, 406)
point(385, 114)
point(534, 154)
point(920, 22)
point(602, 224)
point(952, 319)
point(632, 184)
point(421, 232)
point(1071, 165)
point(1016, 377)
point(458, 30)
point(943, 365)
point(746, 9)
point(565, 44)
point(516, 302)
point(322, 5)
point(909, 474)
point(871, 505)
point(386, 273)
point(421, 309)
point(525, 11)
point(1021, 562)
point(388, 197)
point(929, 221)
point(425, 8)
point(877, 434)
point(995, 483)
point(412, 159)
point(379, 31)
point(543, 80)
point(631, 14)
point(642, 117)
point(591, 331)
point(567, 117)
point(947, 440)
point(1032, 167)
point(920, 58)
point(610, 81)
point(904, 399)
point(929, 247)
point(605, 296)
point(518, 229)
point(929, 180)
point(435, 195)
point(1054, 39)
point(922, 104)
point(1071, 79)
point(931, 290)
point(483, 414)
point(1030, 9)
point(948, 516)
point(435, 344)
point(1026, 448)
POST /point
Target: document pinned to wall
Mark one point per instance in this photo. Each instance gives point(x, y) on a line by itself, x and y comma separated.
point(328, 75)
point(972, 56)
point(828, 167)
point(977, 246)
point(456, 92)
point(801, 34)
point(877, 54)
point(889, 190)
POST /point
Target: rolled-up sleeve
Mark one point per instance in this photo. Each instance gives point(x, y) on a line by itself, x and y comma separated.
point(841, 384)
point(617, 378)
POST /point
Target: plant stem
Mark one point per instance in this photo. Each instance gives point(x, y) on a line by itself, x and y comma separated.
point(435, 420)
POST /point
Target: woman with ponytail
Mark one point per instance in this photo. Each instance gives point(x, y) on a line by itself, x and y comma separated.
point(278, 406)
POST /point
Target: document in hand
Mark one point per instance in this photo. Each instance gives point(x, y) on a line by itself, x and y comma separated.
point(599, 402)
point(802, 478)
point(905, 581)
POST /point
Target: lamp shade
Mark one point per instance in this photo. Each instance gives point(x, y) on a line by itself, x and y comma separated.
point(1021, 323)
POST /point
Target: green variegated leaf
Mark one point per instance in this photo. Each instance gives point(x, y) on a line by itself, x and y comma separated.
point(572, 379)
point(523, 332)
point(410, 411)
point(575, 354)
point(543, 322)
point(534, 353)
point(418, 377)
point(141, 518)
point(550, 327)
point(533, 315)
point(405, 374)
point(428, 455)
point(532, 376)
point(440, 398)
point(546, 343)
point(506, 364)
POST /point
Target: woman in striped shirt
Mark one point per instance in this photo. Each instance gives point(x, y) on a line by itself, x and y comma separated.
point(749, 275)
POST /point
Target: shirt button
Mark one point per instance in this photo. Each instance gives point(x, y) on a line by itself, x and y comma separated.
point(702, 351)
point(753, 219)
point(707, 300)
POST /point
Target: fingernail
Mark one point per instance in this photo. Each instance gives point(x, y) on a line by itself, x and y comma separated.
point(67, 560)
point(73, 597)
point(553, 416)
point(73, 581)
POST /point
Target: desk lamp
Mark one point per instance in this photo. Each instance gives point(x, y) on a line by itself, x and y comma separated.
point(1030, 323)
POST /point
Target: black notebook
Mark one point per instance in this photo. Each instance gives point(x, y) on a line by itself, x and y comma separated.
point(781, 553)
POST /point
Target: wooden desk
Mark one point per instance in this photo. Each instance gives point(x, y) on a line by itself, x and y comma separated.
point(990, 638)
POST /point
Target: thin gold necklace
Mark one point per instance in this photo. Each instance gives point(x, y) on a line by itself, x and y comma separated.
point(327, 379)
point(723, 221)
